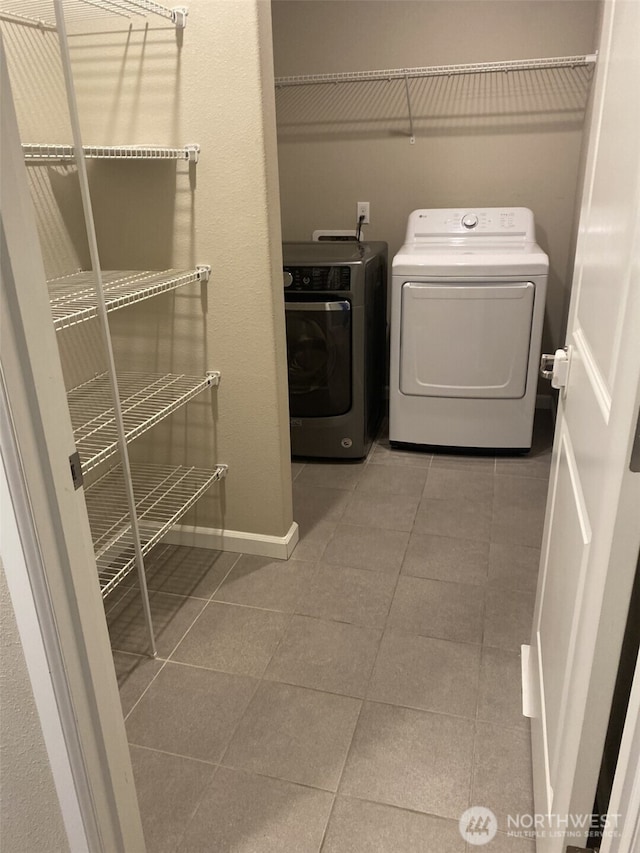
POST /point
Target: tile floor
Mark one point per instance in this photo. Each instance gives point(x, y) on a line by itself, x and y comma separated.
point(359, 697)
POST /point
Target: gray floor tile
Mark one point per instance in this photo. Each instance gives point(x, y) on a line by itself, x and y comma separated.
point(296, 469)
point(523, 844)
point(233, 639)
point(514, 566)
point(313, 542)
point(454, 484)
point(172, 617)
point(244, 813)
point(411, 759)
point(190, 711)
point(373, 549)
point(380, 510)
point(536, 465)
point(343, 594)
point(500, 699)
point(357, 826)
point(508, 618)
point(313, 506)
point(505, 843)
point(295, 734)
point(502, 779)
point(196, 572)
point(331, 656)
point(448, 611)
point(343, 475)
point(445, 558)
point(134, 673)
point(169, 788)
point(518, 510)
point(384, 454)
point(269, 584)
point(394, 480)
point(413, 747)
point(464, 462)
point(420, 672)
point(461, 519)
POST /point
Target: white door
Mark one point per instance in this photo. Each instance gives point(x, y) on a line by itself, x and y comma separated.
point(592, 533)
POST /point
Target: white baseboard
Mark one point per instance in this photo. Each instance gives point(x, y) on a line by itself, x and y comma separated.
point(237, 541)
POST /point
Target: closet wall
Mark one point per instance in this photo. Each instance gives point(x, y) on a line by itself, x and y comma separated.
point(210, 84)
point(481, 140)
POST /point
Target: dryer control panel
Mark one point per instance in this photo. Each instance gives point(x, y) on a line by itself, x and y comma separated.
point(315, 279)
point(453, 224)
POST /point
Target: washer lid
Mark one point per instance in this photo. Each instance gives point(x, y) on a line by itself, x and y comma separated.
point(314, 253)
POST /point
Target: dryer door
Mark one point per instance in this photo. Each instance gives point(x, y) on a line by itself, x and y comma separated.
point(465, 340)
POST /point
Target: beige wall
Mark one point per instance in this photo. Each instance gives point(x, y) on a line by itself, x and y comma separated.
point(30, 816)
point(215, 89)
point(211, 84)
point(486, 140)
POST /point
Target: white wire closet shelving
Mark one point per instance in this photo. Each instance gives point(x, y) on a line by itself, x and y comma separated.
point(437, 71)
point(162, 494)
point(39, 152)
point(73, 298)
point(405, 75)
point(145, 400)
point(40, 12)
point(130, 507)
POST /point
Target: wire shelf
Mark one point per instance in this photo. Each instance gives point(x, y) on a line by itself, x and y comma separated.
point(73, 297)
point(40, 152)
point(40, 12)
point(145, 399)
point(163, 495)
point(437, 70)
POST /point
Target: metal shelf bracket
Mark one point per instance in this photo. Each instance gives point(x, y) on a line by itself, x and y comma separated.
point(193, 153)
point(179, 17)
point(204, 271)
point(213, 377)
point(412, 136)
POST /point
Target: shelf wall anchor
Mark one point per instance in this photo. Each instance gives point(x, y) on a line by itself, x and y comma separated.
point(179, 17)
point(214, 378)
point(204, 271)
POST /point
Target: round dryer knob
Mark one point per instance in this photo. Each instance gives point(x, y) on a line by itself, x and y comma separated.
point(470, 220)
point(287, 278)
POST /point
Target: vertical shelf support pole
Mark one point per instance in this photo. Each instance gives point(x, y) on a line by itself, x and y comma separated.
point(102, 311)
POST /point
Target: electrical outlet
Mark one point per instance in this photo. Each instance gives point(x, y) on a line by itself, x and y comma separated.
point(363, 210)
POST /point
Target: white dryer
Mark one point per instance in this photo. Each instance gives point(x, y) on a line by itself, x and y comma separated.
point(467, 308)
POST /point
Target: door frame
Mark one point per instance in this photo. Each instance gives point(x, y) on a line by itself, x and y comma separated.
point(625, 794)
point(46, 548)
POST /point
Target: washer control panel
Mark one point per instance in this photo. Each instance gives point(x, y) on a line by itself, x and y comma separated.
point(314, 279)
